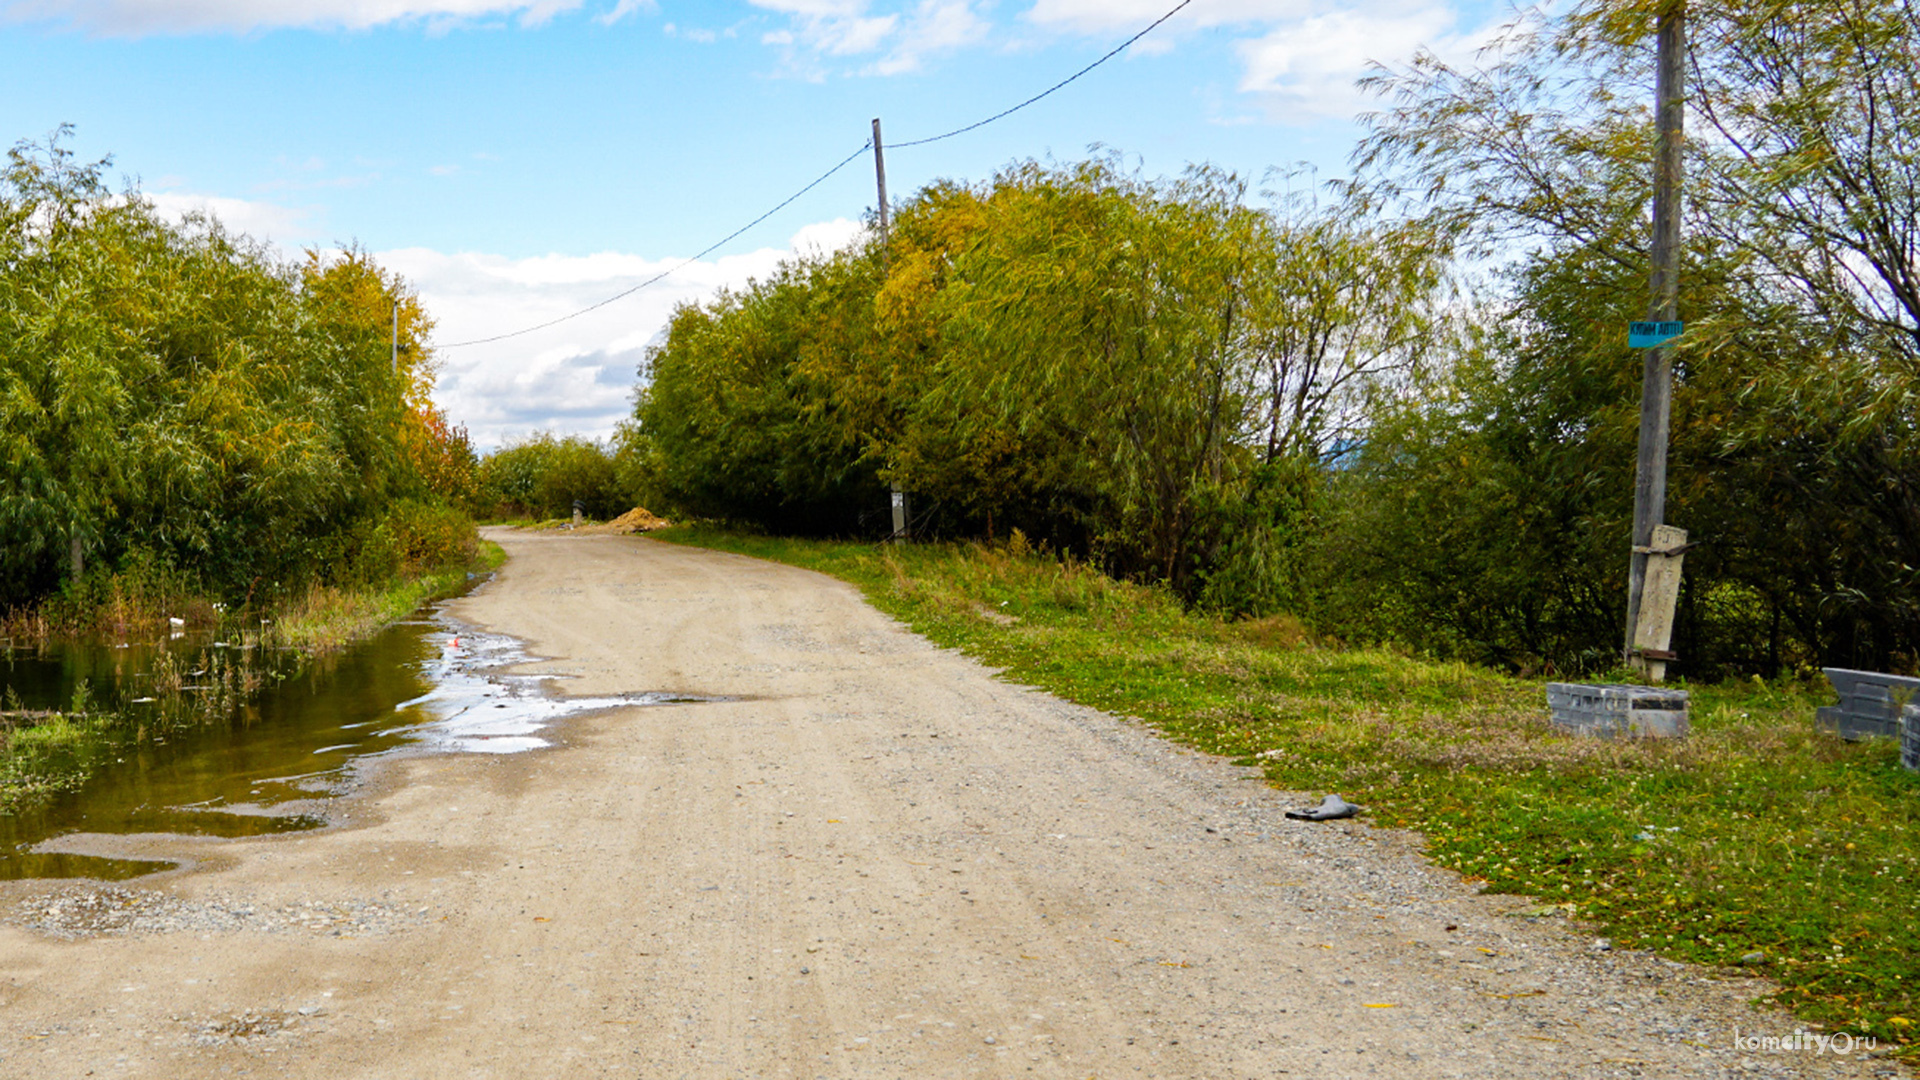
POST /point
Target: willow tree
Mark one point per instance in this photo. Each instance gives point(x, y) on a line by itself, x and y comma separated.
point(1106, 318)
point(1796, 443)
point(60, 389)
point(1162, 340)
point(737, 429)
point(1120, 365)
point(174, 394)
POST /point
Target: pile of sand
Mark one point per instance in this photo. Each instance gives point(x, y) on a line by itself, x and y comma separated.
point(638, 519)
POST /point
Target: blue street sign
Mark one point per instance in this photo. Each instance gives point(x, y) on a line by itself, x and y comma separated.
point(1652, 335)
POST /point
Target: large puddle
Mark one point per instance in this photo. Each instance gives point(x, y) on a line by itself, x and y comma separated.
point(422, 686)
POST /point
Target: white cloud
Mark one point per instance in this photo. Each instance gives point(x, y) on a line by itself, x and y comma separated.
point(1130, 16)
point(936, 26)
point(136, 18)
point(625, 8)
point(1304, 56)
point(1298, 58)
point(835, 35)
point(849, 37)
point(286, 227)
point(814, 9)
point(1310, 67)
point(900, 40)
point(576, 377)
point(694, 34)
point(826, 237)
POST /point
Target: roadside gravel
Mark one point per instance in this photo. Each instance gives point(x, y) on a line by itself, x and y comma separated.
point(83, 911)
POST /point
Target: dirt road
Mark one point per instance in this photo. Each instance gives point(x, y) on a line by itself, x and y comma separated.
point(877, 861)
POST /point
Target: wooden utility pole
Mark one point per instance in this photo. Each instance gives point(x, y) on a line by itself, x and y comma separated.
point(1656, 385)
point(900, 515)
point(880, 178)
point(396, 337)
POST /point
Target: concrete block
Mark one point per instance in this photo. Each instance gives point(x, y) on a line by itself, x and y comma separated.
point(1870, 703)
point(1910, 737)
point(1610, 710)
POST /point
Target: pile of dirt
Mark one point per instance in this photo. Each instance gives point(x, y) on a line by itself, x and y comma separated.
point(638, 519)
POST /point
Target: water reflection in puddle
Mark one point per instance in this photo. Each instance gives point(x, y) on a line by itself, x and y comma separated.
point(477, 709)
point(418, 687)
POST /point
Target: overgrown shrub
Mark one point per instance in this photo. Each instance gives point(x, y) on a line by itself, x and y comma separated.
point(180, 408)
point(1099, 359)
point(411, 537)
point(1255, 566)
point(542, 476)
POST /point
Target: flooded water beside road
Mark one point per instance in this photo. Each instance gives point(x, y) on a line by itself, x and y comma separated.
point(421, 686)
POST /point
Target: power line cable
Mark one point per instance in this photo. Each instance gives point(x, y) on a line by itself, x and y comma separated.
point(662, 275)
point(821, 179)
point(1116, 51)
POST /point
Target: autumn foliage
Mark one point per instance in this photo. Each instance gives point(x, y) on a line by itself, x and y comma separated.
point(180, 404)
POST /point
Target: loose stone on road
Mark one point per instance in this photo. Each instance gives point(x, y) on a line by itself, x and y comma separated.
point(873, 860)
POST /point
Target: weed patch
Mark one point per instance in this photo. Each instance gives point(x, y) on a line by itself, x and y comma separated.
point(329, 617)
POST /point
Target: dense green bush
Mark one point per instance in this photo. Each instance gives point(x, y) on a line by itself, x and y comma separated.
point(412, 537)
point(1111, 364)
point(1286, 408)
point(179, 405)
point(741, 426)
point(542, 477)
point(1484, 516)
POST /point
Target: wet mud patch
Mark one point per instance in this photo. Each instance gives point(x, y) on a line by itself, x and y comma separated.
point(477, 707)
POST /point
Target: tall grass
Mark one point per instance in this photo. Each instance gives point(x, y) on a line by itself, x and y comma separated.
point(328, 617)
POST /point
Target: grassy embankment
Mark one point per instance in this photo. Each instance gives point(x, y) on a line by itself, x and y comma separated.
point(43, 753)
point(329, 617)
point(1755, 835)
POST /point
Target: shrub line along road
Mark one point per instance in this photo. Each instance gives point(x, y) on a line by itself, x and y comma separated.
point(876, 861)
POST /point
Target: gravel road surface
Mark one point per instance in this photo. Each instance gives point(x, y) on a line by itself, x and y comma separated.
point(876, 860)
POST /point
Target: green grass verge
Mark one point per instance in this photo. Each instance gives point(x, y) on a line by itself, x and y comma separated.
point(1756, 834)
point(329, 617)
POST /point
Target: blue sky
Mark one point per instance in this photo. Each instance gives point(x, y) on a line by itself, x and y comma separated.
point(517, 160)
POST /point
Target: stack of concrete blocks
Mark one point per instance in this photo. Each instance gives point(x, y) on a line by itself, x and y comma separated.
point(1610, 711)
point(1870, 703)
point(1910, 737)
